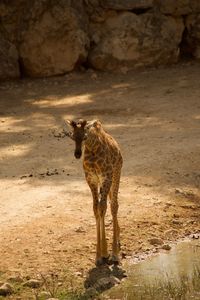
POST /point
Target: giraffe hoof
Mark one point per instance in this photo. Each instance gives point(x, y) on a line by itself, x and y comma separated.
point(102, 261)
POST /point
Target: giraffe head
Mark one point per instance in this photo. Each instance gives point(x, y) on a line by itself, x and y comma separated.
point(81, 131)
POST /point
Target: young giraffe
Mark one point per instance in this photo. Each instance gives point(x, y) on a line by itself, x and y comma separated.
point(102, 163)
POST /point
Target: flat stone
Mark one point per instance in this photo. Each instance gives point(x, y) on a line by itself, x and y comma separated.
point(32, 283)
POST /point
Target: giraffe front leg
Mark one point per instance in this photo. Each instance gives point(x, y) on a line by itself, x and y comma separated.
point(102, 211)
point(94, 189)
point(98, 226)
point(116, 231)
point(104, 250)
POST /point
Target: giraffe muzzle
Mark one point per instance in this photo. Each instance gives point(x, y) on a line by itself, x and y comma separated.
point(78, 154)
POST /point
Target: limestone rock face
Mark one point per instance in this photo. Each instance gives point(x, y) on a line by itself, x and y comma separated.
point(54, 38)
point(179, 7)
point(11, 15)
point(193, 35)
point(130, 40)
point(9, 67)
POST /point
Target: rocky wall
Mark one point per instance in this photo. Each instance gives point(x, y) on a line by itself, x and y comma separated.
point(51, 37)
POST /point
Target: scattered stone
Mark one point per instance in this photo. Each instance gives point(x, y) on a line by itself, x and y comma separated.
point(44, 295)
point(33, 283)
point(188, 206)
point(176, 222)
point(176, 216)
point(171, 233)
point(90, 293)
point(6, 289)
point(177, 191)
point(195, 236)
point(25, 176)
point(17, 279)
point(166, 247)
point(80, 229)
point(78, 274)
point(155, 241)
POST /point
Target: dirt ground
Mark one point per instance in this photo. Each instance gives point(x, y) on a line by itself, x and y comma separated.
point(46, 216)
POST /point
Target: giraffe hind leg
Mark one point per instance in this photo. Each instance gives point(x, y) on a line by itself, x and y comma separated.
point(114, 210)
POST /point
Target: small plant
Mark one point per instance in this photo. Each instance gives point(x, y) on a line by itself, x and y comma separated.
point(51, 284)
point(63, 287)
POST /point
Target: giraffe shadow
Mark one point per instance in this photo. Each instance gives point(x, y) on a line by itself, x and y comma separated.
point(102, 278)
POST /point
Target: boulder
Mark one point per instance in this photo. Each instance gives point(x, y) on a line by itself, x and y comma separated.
point(129, 40)
point(6, 289)
point(193, 35)
point(54, 39)
point(9, 66)
point(179, 7)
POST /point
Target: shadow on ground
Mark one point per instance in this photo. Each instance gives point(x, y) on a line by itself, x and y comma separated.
point(102, 278)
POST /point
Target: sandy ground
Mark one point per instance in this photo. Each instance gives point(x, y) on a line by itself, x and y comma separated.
point(46, 216)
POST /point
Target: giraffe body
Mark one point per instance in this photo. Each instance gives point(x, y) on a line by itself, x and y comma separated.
point(102, 163)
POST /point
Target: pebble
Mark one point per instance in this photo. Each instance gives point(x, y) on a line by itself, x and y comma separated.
point(90, 293)
point(78, 274)
point(80, 229)
point(32, 283)
point(195, 236)
point(166, 247)
point(6, 289)
point(177, 222)
point(45, 295)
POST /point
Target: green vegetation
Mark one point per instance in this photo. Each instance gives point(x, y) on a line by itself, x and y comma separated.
point(187, 287)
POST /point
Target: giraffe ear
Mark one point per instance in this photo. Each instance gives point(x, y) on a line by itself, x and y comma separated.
point(84, 123)
point(94, 123)
point(71, 123)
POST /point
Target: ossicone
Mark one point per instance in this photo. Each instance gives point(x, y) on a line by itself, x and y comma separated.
point(71, 123)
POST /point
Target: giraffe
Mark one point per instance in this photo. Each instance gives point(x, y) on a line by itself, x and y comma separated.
point(102, 163)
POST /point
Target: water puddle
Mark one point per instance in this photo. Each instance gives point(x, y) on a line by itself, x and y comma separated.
point(169, 275)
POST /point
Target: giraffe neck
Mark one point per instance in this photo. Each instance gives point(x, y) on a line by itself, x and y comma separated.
point(94, 139)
